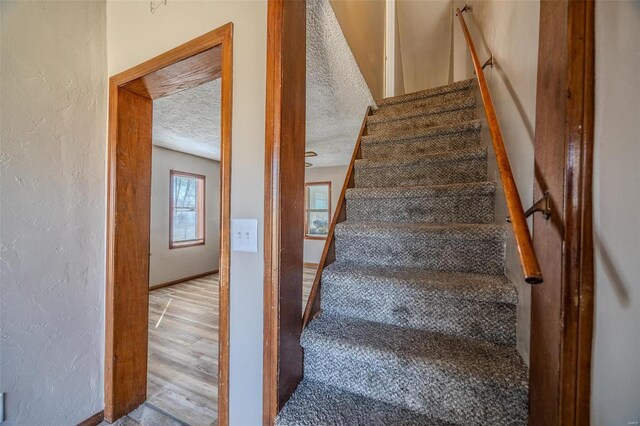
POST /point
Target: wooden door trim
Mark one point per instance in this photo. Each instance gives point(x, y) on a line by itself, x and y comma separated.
point(283, 202)
point(562, 315)
point(575, 372)
point(196, 54)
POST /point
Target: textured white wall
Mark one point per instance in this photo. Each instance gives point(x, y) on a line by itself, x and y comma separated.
point(508, 29)
point(337, 94)
point(616, 200)
point(313, 248)
point(135, 35)
point(52, 210)
point(169, 265)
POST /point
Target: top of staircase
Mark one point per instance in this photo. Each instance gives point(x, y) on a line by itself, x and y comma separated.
point(440, 90)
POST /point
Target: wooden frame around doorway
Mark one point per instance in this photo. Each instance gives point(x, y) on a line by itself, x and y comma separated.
point(131, 93)
point(283, 202)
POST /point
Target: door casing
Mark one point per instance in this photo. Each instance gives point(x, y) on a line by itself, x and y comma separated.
point(562, 307)
point(283, 202)
point(131, 94)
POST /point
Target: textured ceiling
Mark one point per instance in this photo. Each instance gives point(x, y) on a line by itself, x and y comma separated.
point(337, 98)
point(189, 121)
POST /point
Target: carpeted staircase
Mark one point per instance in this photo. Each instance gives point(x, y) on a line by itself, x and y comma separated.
point(418, 322)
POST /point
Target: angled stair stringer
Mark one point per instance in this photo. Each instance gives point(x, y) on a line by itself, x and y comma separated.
point(411, 319)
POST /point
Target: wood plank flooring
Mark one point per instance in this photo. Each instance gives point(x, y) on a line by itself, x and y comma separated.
point(183, 348)
point(308, 274)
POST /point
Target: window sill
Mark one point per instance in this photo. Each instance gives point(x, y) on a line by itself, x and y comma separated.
point(313, 237)
point(186, 244)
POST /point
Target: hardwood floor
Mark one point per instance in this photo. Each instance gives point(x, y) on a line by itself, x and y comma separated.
point(183, 350)
point(182, 373)
point(308, 274)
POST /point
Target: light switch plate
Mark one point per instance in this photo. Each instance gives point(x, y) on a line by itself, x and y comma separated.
point(244, 235)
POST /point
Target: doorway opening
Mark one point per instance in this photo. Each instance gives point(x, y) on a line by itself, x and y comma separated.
point(161, 225)
point(185, 254)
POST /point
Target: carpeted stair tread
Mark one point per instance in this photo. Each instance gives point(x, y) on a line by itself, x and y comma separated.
point(454, 285)
point(481, 361)
point(441, 168)
point(455, 203)
point(408, 230)
point(416, 123)
point(459, 85)
point(424, 159)
point(445, 102)
point(465, 97)
point(473, 248)
point(426, 140)
point(316, 404)
point(473, 306)
point(430, 132)
point(470, 188)
point(445, 377)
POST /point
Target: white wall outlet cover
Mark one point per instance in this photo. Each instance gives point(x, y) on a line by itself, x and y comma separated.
point(244, 235)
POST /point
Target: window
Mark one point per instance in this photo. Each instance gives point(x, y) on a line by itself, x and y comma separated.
point(317, 209)
point(186, 213)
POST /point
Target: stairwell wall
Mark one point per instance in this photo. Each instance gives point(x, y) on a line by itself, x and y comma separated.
point(424, 29)
point(509, 30)
point(615, 380)
point(134, 35)
point(363, 24)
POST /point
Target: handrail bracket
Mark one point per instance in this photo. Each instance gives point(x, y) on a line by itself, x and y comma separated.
point(488, 62)
point(543, 205)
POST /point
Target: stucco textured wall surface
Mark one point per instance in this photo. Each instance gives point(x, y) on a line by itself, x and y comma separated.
point(337, 94)
point(52, 209)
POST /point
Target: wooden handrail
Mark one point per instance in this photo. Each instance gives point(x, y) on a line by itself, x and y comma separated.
point(340, 215)
point(528, 259)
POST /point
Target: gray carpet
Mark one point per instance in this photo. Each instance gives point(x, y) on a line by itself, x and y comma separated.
point(418, 323)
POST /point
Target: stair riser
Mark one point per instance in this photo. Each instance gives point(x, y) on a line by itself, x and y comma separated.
point(421, 122)
point(435, 209)
point(414, 384)
point(461, 98)
point(414, 306)
point(484, 256)
point(441, 143)
point(436, 173)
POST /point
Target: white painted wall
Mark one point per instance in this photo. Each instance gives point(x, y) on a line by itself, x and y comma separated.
point(173, 264)
point(425, 39)
point(616, 191)
point(336, 175)
point(53, 110)
point(135, 35)
point(363, 25)
point(508, 29)
point(398, 88)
